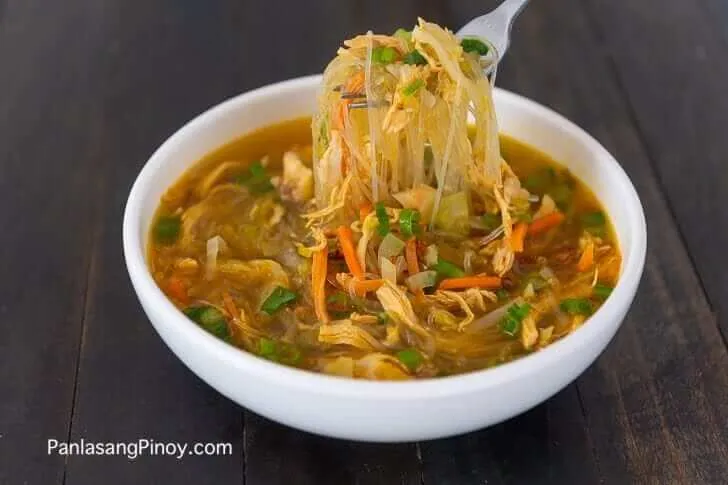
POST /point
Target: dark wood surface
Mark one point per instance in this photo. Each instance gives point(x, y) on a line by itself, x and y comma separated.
point(89, 88)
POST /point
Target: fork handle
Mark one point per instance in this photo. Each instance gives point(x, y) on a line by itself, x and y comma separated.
point(511, 8)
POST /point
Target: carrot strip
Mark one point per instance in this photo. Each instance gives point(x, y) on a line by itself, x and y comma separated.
point(177, 289)
point(364, 210)
point(413, 266)
point(355, 84)
point(488, 282)
point(518, 236)
point(346, 239)
point(587, 257)
point(318, 284)
point(543, 224)
point(362, 287)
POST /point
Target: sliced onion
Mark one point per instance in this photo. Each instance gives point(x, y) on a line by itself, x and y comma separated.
point(391, 246)
point(423, 279)
point(492, 318)
point(468, 261)
point(431, 255)
point(388, 270)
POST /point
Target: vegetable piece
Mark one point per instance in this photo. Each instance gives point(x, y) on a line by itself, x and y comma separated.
point(538, 181)
point(413, 266)
point(577, 306)
point(346, 240)
point(403, 34)
point(383, 219)
point(278, 299)
point(411, 358)
point(414, 58)
point(318, 284)
point(278, 351)
point(409, 222)
point(256, 179)
point(491, 221)
point(502, 294)
point(561, 194)
point(474, 45)
point(487, 282)
point(267, 348)
point(602, 291)
point(518, 236)
point(388, 270)
point(177, 289)
point(545, 223)
point(454, 213)
point(412, 88)
point(167, 229)
point(446, 269)
point(595, 218)
point(362, 287)
point(424, 279)
point(209, 318)
point(420, 198)
point(384, 55)
point(382, 318)
point(510, 324)
point(586, 260)
point(390, 247)
point(431, 255)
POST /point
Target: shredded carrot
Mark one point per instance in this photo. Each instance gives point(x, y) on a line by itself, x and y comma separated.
point(355, 84)
point(543, 224)
point(229, 304)
point(177, 289)
point(364, 210)
point(341, 114)
point(586, 260)
point(517, 237)
point(346, 239)
point(318, 284)
point(362, 287)
point(487, 282)
point(413, 266)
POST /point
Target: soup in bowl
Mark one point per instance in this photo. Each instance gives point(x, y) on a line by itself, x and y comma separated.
point(221, 259)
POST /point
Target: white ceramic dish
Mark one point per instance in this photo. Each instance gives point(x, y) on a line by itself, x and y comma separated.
point(383, 411)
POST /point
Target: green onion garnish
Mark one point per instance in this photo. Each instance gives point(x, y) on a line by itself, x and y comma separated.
point(474, 45)
point(413, 87)
point(383, 218)
point(576, 306)
point(209, 318)
point(166, 229)
point(411, 358)
point(256, 179)
point(403, 34)
point(277, 299)
point(268, 349)
point(502, 294)
point(561, 195)
point(510, 324)
point(415, 58)
point(382, 317)
point(446, 269)
point(602, 291)
point(384, 55)
point(409, 222)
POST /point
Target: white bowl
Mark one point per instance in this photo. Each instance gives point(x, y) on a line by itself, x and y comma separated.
point(383, 411)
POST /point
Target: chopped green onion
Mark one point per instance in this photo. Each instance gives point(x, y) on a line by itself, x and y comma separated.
point(413, 87)
point(409, 222)
point(593, 219)
point(277, 299)
point(561, 195)
point(209, 318)
point(267, 348)
point(382, 317)
point(445, 269)
point(383, 219)
point(510, 324)
point(256, 179)
point(525, 216)
point(502, 294)
point(411, 358)
point(474, 45)
point(281, 352)
point(491, 221)
point(538, 181)
point(576, 306)
point(415, 58)
point(403, 34)
point(384, 55)
point(602, 291)
point(339, 299)
point(166, 229)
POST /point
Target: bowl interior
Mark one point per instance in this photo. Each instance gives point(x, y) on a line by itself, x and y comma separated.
point(517, 116)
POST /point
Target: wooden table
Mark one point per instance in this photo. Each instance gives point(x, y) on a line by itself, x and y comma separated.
point(91, 87)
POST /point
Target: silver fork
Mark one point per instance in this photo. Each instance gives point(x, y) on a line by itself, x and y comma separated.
point(495, 27)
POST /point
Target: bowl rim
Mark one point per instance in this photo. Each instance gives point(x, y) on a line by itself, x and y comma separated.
point(150, 294)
